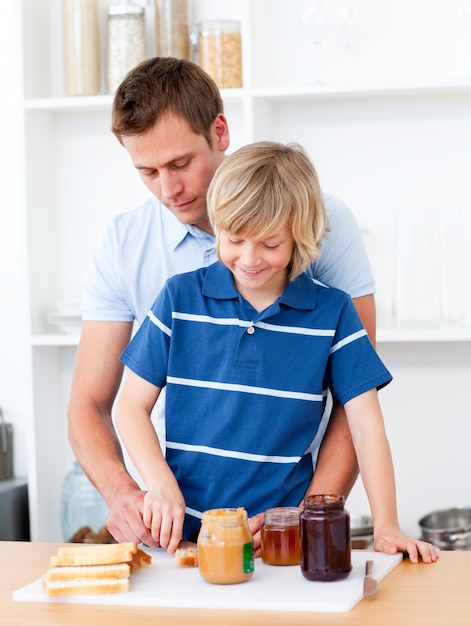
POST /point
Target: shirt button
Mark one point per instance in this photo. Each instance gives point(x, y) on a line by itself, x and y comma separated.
point(250, 330)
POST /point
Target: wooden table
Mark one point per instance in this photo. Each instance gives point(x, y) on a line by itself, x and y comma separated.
point(438, 594)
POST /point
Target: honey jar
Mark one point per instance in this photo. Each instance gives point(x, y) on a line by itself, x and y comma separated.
point(325, 538)
point(225, 547)
point(280, 536)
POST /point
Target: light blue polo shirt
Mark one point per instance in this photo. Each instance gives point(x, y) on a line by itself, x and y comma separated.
point(140, 249)
point(246, 391)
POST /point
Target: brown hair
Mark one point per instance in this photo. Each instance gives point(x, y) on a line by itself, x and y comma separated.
point(261, 187)
point(164, 85)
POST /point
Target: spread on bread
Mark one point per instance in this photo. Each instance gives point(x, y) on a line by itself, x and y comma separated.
point(186, 557)
point(93, 569)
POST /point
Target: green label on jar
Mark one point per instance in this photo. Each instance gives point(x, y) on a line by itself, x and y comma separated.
point(248, 557)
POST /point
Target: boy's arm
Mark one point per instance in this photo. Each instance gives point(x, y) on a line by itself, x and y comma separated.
point(96, 380)
point(377, 472)
point(337, 467)
point(164, 505)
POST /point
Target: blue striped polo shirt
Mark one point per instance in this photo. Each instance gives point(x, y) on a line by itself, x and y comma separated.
point(246, 391)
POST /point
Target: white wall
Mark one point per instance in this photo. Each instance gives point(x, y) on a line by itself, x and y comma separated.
point(15, 365)
point(386, 153)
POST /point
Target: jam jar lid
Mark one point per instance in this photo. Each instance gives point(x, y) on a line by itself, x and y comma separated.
point(324, 500)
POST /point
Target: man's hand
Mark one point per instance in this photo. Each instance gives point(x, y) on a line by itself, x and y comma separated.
point(255, 524)
point(125, 520)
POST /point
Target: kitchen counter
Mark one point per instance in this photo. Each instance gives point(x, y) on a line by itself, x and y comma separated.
point(426, 595)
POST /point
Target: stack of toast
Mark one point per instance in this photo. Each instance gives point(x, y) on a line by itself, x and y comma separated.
point(93, 569)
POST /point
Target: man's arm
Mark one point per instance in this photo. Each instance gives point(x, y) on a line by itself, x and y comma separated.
point(96, 380)
point(337, 467)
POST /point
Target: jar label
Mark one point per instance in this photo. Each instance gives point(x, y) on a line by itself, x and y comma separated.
point(248, 557)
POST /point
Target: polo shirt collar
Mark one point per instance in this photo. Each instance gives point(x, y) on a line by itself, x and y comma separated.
point(218, 284)
point(176, 231)
point(300, 293)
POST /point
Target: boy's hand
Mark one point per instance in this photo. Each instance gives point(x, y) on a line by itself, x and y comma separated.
point(164, 513)
point(397, 542)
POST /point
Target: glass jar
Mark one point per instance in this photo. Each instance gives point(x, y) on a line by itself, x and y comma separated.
point(220, 52)
point(81, 47)
point(225, 547)
point(172, 30)
point(126, 41)
point(325, 538)
point(280, 536)
point(81, 504)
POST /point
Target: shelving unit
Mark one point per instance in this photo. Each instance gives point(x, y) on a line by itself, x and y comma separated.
point(76, 177)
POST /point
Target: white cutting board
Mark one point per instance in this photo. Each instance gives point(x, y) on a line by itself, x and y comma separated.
point(271, 588)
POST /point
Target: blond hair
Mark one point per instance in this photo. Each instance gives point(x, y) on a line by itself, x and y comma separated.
point(263, 186)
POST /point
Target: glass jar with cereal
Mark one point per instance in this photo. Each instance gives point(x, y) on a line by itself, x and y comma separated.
point(220, 52)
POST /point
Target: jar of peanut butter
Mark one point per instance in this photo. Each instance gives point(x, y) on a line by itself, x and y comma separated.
point(225, 547)
point(325, 538)
point(280, 536)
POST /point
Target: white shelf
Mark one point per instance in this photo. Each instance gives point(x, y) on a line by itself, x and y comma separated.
point(421, 336)
point(70, 103)
point(383, 335)
point(362, 90)
point(294, 92)
point(98, 103)
point(54, 340)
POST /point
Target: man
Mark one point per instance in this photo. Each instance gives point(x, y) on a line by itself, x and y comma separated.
point(168, 114)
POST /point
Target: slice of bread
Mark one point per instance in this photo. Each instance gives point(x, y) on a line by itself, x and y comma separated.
point(95, 554)
point(85, 572)
point(186, 557)
point(84, 587)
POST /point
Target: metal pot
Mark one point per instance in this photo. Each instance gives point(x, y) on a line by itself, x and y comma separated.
point(361, 531)
point(448, 529)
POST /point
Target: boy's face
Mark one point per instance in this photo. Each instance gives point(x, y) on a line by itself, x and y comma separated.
point(259, 266)
point(177, 165)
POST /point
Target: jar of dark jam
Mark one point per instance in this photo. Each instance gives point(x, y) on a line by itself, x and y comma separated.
point(280, 536)
point(325, 538)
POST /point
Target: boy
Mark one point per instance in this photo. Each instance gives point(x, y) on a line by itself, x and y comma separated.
point(247, 349)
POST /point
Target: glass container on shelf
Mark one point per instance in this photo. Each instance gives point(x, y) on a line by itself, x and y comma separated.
point(81, 37)
point(416, 288)
point(126, 40)
point(220, 52)
point(316, 24)
point(81, 505)
point(172, 28)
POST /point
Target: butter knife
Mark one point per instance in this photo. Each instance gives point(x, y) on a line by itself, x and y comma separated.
point(369, 584)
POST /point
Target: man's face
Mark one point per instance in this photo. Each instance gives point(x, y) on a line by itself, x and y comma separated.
point(177, 165)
